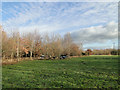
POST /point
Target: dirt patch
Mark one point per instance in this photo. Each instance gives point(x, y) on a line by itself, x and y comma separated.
point(9, 63)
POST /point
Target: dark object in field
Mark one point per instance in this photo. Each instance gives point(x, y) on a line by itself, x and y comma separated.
point(63, 56)
point(54, 57)
point(47, 57)
point(42, 57)
point(83, 54)
point(83, 62)
point(61, 86)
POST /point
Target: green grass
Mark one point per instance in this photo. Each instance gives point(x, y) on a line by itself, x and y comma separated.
point(84, 72)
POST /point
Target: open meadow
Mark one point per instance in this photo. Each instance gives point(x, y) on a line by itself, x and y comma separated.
point(60, 44)
point(80, 72)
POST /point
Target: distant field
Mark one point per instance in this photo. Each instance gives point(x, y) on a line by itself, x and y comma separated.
point(81, 72)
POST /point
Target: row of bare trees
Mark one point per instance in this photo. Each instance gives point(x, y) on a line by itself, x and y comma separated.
point(35, 44)
point(105, 52)
point(102, 52)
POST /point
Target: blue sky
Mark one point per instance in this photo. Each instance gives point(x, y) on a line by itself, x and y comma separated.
point(94, 24)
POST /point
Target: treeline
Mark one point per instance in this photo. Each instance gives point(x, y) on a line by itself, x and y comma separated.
point(106, 52)
point(33, 45)
point(102, 52)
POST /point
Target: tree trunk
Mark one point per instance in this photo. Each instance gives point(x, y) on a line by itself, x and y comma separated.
point(11, 56)
point(17, 54)
point(4, 56)
point(31, 54)
point(18, 47)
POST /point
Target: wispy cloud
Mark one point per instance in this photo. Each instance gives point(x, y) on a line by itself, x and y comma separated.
point(61, 1)
point(60, 14)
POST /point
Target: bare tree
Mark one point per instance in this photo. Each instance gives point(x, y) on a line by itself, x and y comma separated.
point(46, 45)
point(67, 41)
point(37, 44)
point(4, 44)
point(30, 42)
point(56, 45)
point(74, 50)
point(0, 44)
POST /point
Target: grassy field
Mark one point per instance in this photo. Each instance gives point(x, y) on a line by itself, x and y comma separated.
point(84, 72)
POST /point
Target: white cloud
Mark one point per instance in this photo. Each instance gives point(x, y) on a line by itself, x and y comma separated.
point(96, 34)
